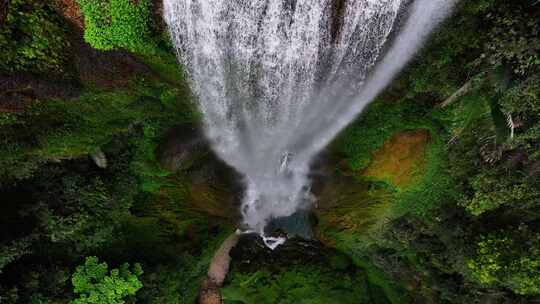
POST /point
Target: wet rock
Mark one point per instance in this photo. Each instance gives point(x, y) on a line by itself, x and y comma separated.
point(184, 146)
point(20, 90)
point(214, 187)
point(297, 225)
point(99, 158)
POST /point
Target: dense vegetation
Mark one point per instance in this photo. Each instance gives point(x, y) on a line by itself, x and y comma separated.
point(94, 210)
point(33, 38)
point(477, 85)
point(114, 24)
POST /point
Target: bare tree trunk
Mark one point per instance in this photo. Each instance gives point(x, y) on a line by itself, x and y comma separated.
point(458, 94)
point(4, 4)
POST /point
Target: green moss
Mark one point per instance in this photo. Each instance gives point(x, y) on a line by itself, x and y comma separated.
point(112, 24)
point(32, 38)
point(165, 64)
point(434, 186)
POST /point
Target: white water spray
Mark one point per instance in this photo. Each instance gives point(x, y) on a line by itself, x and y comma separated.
point(277, 80)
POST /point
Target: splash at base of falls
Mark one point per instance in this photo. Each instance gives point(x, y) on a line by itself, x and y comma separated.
point(276, 81)
point(279, 230)
point(271, 242)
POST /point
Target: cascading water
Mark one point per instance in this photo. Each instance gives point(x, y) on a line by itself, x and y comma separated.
point(277, 80)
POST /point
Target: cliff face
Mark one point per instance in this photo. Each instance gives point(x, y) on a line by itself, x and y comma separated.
point(416, 203)
point(78, 65)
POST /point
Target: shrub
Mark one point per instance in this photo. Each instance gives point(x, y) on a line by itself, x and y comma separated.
point(113, 24)
point(32, 39)
point(306, 284)
point(96, 287)
point(493, 189)
point(502, 260)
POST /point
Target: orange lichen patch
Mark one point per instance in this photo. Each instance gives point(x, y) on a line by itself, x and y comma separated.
point(401, 159)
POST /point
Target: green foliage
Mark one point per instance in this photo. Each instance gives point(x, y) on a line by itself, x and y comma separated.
point(7, 119)
point(89, 213)
point(447, 62)
point(112, 24)
point(513, 38)
point(493, 189)
point(477, 141)
point(472, 111)
point(523, 99)
point(297, 285)
point(379, 122)
point(493, 44)
point(522, 103)
point(376, 124)
point(61, 129)
point(32, 38)
point(178, 282)
point(134, 210)
point(434, 187)
point(15, 164)
point(13, 251)
point(482, 36)
point(503, 260)
point(95, 285)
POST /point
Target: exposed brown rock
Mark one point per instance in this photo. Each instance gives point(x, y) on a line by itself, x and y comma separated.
point(71, 11)
point(209, 293)
point(19, 91)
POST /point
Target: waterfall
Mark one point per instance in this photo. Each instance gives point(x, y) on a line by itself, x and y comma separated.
point(277, 80)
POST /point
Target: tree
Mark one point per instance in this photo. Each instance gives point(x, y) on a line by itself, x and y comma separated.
point(94, 286)
point(502, 260)
point(85, 213)
point(494, 188)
